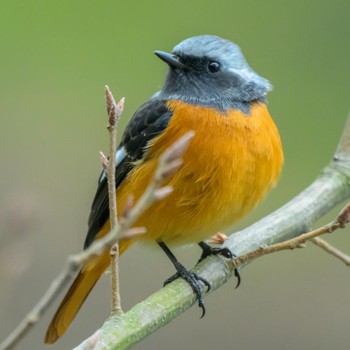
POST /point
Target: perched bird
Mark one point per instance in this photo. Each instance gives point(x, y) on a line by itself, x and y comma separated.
point(234, 158)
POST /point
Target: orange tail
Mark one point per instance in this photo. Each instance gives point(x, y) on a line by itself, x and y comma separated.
point(78, 292)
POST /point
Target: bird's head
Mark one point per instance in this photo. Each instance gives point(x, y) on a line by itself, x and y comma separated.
point(211, 71)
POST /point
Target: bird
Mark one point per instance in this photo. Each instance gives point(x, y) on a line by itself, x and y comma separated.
point(234, 158)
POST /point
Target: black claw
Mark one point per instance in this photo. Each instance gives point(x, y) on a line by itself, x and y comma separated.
point(227, 253)
point(190, 277)
point(171, 279)
point(203, 280)
point(193, 280)
point(201, 305)
point(209, 250)
point(238, 276)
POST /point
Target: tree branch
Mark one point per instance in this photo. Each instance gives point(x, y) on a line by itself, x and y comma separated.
point(331, 250)
point(296, 217)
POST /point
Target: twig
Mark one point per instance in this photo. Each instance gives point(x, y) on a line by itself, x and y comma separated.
point(104, 160)
point(116, 307)
point(218, 238)
point(340, 222)
point(114, 114)
point(331, 250)
point(170, 161)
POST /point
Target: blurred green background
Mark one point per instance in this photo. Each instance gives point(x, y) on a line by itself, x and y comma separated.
point(56, 57)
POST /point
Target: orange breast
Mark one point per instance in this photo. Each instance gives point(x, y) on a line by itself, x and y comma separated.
point(230, 164)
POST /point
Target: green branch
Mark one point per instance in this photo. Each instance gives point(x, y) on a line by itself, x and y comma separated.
point(296, 217)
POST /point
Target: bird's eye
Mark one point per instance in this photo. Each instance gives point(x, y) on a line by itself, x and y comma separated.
point(213, 66)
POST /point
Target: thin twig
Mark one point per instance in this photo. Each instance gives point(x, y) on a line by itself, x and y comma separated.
point(170, 161)
point(104, 160)
point(218, 238)
point(340, 222)
point(332, 250)
point(114, 114)
point(116, 307)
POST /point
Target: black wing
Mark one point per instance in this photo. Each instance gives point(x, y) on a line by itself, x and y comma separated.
point(149, 121)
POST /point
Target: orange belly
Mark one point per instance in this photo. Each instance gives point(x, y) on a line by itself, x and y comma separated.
point(231, 163)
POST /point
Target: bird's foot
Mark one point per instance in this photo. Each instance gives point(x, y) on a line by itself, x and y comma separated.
point(208, 250)
point(194, 281)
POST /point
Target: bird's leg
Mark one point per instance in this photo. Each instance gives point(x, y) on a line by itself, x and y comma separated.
point(209, 250)
point(190, 277)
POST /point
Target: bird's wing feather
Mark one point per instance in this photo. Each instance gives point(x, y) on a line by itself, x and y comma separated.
point(149, 120)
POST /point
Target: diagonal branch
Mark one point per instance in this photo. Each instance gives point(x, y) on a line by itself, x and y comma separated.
point(331, 250)
point(296, 217)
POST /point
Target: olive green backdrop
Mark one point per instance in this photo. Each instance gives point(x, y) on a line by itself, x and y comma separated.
point(56, 57)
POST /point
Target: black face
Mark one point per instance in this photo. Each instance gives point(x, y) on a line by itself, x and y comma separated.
point(202, 78)
point(203, 65)
point(207, 70)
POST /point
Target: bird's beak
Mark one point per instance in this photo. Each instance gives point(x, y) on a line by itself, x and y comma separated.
point(170, 59)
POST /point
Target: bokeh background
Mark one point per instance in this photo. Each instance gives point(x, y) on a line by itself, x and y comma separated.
point(55, 59)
